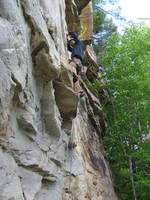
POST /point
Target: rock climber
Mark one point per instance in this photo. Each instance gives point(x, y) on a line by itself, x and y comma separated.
point(76, 47)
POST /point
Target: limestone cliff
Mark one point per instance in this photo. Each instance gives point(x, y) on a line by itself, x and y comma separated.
point(39, 110)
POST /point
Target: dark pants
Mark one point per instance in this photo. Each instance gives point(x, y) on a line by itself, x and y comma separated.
point(78, 64)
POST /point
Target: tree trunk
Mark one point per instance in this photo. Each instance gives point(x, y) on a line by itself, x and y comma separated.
point(132, 178)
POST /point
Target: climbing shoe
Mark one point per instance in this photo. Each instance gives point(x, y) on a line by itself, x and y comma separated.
point(81, 94)
point(75, 78)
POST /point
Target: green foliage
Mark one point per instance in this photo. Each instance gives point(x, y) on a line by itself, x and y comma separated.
point(97, 86)
point(127, 66)
point(98, 21)
point(103, 24)
point(83, 30)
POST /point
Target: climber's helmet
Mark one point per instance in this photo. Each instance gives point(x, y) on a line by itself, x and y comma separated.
point(73, 35)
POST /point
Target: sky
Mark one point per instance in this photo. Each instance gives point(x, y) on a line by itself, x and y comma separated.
point(134, 9)
point(131, 10)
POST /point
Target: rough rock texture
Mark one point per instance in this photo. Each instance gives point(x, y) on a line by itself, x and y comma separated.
point(86, 20)
point(50, 138)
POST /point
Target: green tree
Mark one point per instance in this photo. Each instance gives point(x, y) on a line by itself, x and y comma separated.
point(103, 24)
point(127, 66)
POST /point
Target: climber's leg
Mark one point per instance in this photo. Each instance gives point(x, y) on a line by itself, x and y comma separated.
point(78, 65)
point(76, 68)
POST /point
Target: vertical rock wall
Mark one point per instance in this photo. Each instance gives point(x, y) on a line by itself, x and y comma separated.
point(40, 113)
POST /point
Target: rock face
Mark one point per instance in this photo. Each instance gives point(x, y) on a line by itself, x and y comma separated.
point(50, 145)
point(86, 20)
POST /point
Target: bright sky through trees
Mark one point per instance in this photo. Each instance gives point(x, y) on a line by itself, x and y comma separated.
point(134, 9)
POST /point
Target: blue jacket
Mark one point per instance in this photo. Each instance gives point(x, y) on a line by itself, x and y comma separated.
point(78, 50)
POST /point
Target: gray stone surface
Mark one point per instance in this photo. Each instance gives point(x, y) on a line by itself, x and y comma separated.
point(40, 114)
point(10, 187)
